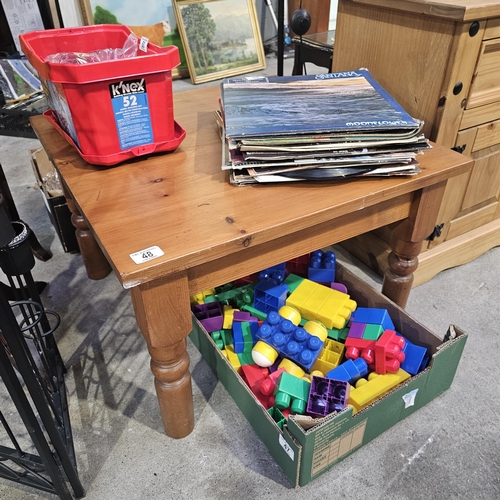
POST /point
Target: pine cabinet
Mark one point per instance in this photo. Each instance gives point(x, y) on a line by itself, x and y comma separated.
point(441, 61)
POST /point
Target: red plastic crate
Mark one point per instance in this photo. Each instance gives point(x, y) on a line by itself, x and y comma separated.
point(110, 111)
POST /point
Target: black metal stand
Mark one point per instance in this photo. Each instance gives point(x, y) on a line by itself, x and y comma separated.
point(32, 370)
point(281, 36)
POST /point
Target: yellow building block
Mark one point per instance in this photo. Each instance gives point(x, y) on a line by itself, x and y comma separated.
point(330, 356)
point(263, 354)
point(367, 391)
point(291, 368)
point(228, 313)
point(301, 294)
point(318, 302)
point(336, 310)
point(291, 314)
point(232, 357)
point(199, 298)
point(314, 327)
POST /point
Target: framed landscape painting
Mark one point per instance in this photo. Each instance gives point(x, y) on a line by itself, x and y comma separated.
point(221, 38)
point(154, 19)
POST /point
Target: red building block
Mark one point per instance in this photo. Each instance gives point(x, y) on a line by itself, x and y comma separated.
point(389, 352)
point(360, 348)
point(261, 383)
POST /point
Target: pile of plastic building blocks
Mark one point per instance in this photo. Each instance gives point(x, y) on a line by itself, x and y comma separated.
point(301, 344)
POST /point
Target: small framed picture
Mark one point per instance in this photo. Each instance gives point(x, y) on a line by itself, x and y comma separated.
point(154, 19)
point(221, 38)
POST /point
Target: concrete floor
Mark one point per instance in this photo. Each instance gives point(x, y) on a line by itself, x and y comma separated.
point(449, 449)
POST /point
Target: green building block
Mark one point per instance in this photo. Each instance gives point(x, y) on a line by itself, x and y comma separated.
point(277, 416)
point(237, 297)
point(222, 338)
point(247, 337)
point(254, 312)
point(338, 334)
point(217, 338)
point(373, 332)
point(245, 358)
point(291, 392)
point(293, 281)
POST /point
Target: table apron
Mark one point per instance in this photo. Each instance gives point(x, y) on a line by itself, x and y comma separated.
point(253, 259)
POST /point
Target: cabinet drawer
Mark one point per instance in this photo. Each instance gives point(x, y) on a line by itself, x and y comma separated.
point(487, 135)
point(492, 29)
point(485, 87)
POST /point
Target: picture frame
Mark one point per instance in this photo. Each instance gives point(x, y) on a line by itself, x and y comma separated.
point(150, 16)
point(228, 43)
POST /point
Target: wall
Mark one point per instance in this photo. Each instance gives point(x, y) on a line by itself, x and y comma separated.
point(70, 11)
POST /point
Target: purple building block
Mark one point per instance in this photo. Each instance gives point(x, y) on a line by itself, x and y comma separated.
point(240, 316)
point(327, 396)
point(210, 315)
point(356, 330)
point(339, 287)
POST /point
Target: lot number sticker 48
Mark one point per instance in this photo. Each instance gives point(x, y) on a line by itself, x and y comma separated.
point(146, 254)
point(131, 110)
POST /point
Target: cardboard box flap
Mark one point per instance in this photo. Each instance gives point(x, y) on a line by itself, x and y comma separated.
point(364, 294)
point(445, 362)
point(43, 167)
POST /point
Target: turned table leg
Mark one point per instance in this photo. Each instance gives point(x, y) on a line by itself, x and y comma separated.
point(407, 241)
point(94, 260)
point(163, 314)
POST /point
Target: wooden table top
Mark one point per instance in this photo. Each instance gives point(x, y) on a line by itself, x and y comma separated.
point(458, 10)
point(183, 203)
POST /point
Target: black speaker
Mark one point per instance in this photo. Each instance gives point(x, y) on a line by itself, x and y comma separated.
point(300, 22)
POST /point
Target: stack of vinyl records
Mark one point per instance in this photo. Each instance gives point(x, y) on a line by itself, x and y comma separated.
point(315, 127)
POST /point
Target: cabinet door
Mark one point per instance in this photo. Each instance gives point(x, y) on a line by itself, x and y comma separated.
point(471, 200)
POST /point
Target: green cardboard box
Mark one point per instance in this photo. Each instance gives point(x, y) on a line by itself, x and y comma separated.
point(306, 447)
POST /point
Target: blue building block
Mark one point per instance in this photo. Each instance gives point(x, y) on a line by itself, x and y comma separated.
point(373, 316)
point(238, 342)
point(322, 267)
point(276, 273)
point(268, 296)
point(349, 371)
point(244, 334)
point(416, 357)
point(290, 341)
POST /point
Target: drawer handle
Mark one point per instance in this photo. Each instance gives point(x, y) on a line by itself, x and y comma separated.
point(458, 88)
point(474, 28)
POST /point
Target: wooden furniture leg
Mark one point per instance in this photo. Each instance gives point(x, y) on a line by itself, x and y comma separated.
point(407, 240)
point(94, 260)
point(163, 314)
